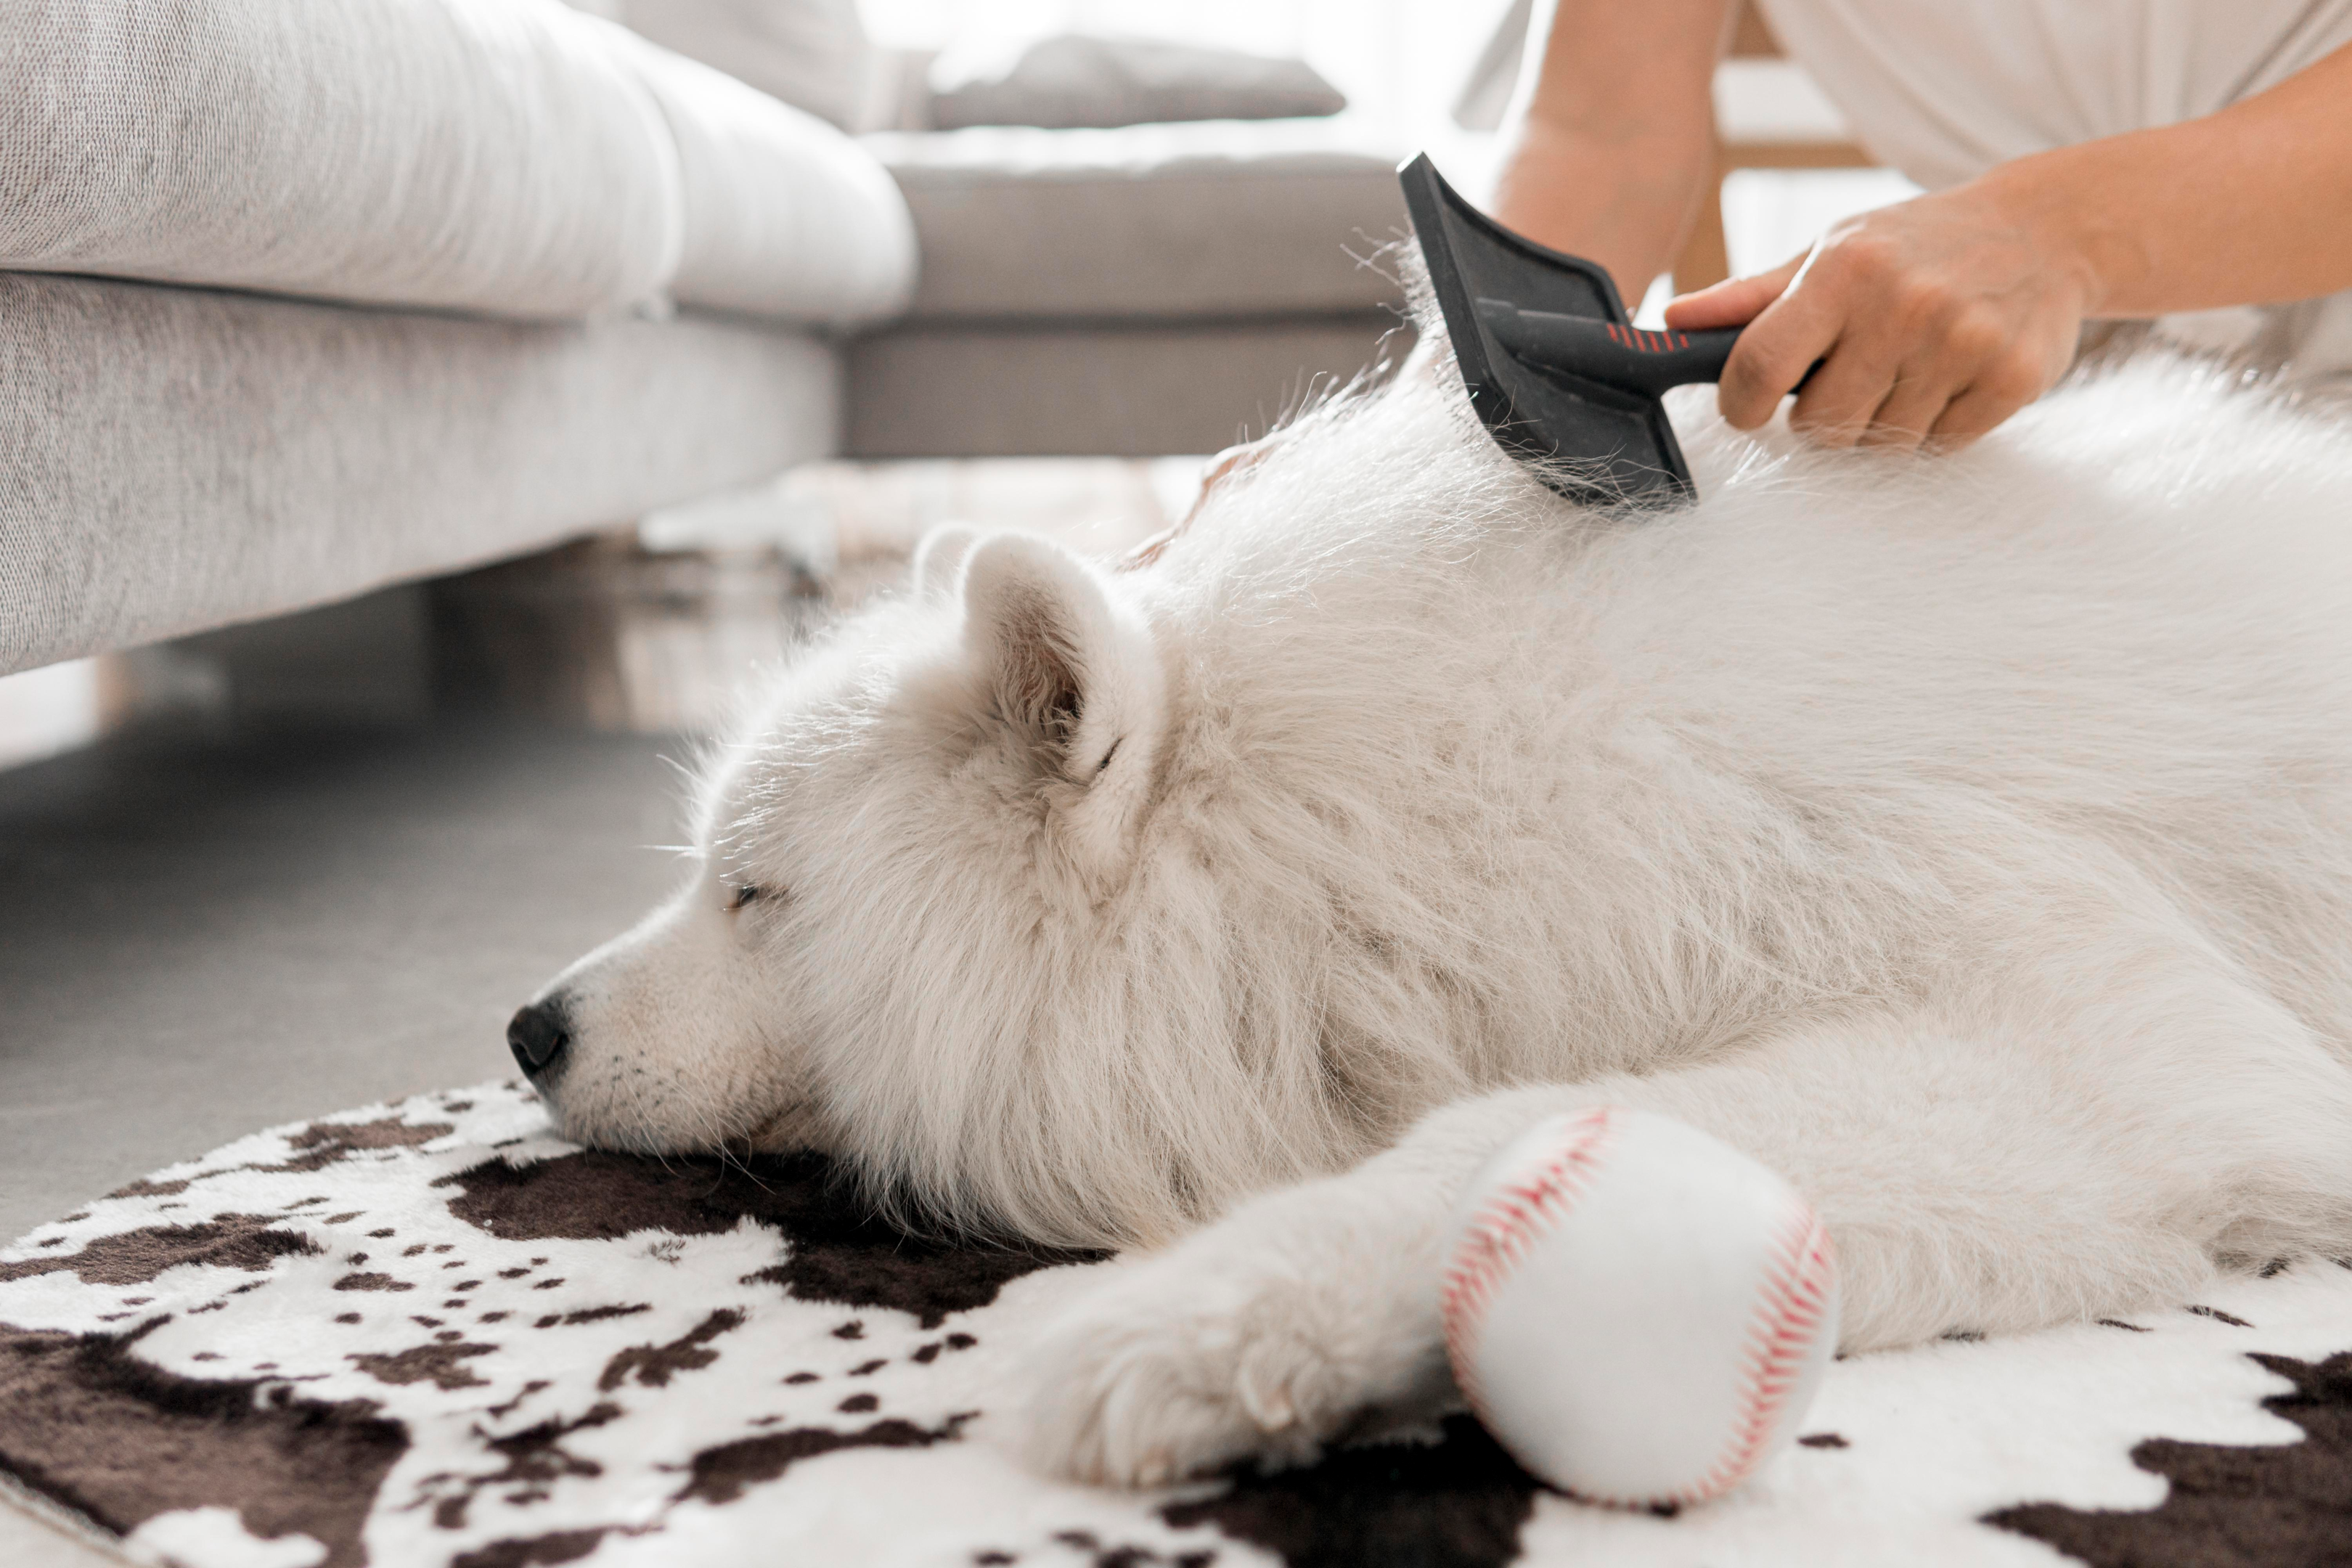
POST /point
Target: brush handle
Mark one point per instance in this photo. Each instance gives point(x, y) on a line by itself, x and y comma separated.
point(1626, 359)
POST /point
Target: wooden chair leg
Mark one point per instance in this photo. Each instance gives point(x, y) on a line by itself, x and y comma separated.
point(1705, 256)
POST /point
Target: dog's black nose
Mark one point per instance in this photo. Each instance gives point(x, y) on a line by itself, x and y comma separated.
point(539, 1033)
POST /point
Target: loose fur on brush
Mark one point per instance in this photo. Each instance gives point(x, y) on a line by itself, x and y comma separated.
point(1968, 837)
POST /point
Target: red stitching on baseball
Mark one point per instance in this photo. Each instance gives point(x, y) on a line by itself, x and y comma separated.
point(1497, 1237)
point(1791, 1300)
point(1791, 1303)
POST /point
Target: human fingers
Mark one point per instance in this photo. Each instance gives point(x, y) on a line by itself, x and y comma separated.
point(1902, 354)
point(1836, 406)
point(1734, 302)
point(1971, 347)
point(1918, 399)
point(1977, 317)
point(1958, 327)
point(2006, 387)
point(1777, 348)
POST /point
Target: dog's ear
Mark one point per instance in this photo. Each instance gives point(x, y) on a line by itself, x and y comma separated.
point(940, 556)
point(1059, 656)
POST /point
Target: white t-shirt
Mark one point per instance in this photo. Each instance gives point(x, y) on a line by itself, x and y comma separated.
point(1944, 89)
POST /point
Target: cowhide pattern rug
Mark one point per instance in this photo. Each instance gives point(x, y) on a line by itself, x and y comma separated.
point(432, 1333)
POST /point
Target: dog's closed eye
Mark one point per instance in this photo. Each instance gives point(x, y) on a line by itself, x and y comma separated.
point(743, 895)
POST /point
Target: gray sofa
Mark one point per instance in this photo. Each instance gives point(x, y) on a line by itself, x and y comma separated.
point(273, 333)
point(176, 458)
point(1150, 290)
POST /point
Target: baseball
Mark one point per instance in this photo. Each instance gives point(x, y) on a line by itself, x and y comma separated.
point(1639, 1313)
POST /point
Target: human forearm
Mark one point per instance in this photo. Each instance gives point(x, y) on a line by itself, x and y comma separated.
point(1613, 145)
point(1624, 203)
point(1942, 316)
point(2249, 205)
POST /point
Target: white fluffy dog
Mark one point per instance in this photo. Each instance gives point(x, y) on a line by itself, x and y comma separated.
point(1970, 838)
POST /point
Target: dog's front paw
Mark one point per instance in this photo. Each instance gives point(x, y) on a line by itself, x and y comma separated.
point(1164, 1373)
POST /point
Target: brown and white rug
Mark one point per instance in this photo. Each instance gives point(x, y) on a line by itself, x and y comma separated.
point(432, 1334)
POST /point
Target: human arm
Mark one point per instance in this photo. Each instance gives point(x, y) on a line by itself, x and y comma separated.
point(1614, 145)
point(1942, 316)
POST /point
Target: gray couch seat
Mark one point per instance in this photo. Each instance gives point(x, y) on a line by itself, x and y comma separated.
point(556, 277)
point(1139, 290)
point(173, 459)
point(299, 301)
point(519, 158)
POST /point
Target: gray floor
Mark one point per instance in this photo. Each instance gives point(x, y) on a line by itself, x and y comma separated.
point(203, 936)
point(199, 936)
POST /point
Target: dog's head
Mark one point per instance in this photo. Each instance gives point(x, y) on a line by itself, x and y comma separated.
point(914, 876)
point(1056, 900)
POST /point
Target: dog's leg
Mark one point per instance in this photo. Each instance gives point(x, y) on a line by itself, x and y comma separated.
point(1995, 1178)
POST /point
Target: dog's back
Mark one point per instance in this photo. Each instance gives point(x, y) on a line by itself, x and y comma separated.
point(1569, 794)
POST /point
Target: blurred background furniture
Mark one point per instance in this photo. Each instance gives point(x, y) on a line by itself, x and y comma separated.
point(301, 300)
point(1137, 291)
point(1768, 115)
point(388, 290)
point(353, 299)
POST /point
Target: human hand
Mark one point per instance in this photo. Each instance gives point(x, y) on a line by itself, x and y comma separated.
point(1937, 319)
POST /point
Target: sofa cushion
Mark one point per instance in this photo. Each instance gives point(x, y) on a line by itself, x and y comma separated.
point(1136, 389)
point(781, 215)
point(516, 157)
point(1075, 80)
point(1217, 219)
point(174, 459)
point(812, 54)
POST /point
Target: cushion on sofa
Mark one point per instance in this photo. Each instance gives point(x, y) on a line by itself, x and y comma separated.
point(1132, 389)
point(1075, 80)
point(1215, 218)
point(782, 215)
point(174, 459)
point(517, 158)
point(812, 54)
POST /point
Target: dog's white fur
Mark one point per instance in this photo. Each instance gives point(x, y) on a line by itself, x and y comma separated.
point(1970, 838)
